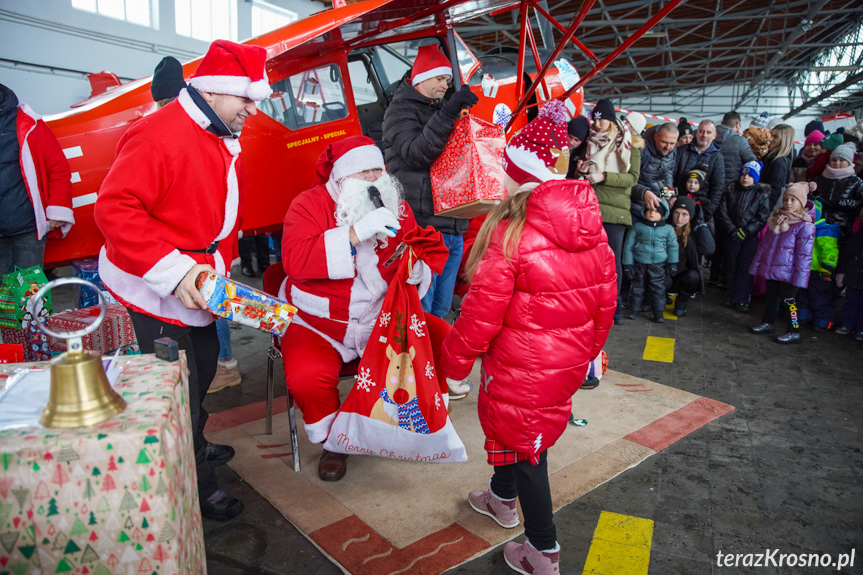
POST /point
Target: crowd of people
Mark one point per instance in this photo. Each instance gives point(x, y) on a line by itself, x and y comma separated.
point(762, 216)
point(604, 217)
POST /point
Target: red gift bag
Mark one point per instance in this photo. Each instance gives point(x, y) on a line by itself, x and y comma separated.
point(467, 178)
point(396, 408)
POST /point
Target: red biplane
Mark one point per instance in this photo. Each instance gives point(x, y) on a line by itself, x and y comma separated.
point(332, 75)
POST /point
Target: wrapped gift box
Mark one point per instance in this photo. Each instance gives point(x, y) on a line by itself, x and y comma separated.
point(17, 289)
point(31, 339)
point(88, 270)
point(116, 330)
point(467, 178)
point(244, 304)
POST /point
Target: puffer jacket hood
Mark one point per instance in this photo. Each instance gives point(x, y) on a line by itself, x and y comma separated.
point(787, 257)
point(538, 319)
point(663, 212)
point(8, 101)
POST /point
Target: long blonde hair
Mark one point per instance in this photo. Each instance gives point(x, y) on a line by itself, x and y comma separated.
point(786, 141)
point(682, 233)
point(513, 211)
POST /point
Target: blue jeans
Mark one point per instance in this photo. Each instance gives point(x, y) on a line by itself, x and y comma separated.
point(438, 300)
point(224, 331)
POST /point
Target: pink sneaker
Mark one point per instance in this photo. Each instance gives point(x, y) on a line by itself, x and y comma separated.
point(526, 559)
point(501, 510)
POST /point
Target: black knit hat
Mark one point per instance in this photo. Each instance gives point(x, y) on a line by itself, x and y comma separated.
point(686, 203)
point(812, 126)
point(604, 109)
point(167, 79)
point(578, 127)
point(684, 128)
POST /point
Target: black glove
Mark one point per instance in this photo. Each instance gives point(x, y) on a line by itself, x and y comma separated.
point(671, 269)
point(461, 99)
point(699, 215)
point(627, 272)
point(738, 235)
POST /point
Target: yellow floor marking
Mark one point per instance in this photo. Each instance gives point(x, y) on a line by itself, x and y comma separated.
point(659, 349)
point(620, 546)
point(668, 315)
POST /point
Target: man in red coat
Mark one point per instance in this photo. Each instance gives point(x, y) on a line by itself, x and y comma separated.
point(35, 185)
point(169, 210)
point(340, 252)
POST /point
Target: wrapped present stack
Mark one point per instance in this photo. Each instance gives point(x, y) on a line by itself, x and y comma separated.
point(244, 304)
point(89, 270)
point(16, 321)
point(467, 178)
point(115, 331)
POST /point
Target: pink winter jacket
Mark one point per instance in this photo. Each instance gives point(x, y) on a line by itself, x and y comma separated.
point(538, 320)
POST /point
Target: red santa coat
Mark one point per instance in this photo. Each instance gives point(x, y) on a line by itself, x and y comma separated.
point(46, 174)
point(537, 320)
point(172, 187)
point(338, 295)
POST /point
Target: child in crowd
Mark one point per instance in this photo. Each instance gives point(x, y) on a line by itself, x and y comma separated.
point(758, 135)
point(840, 190)
point(816, 302)
point(694, 184)
point(784, 258)
point(742, 212)
point(649, 252)
point(812, 148)
point(849, 273)
point(539, 308)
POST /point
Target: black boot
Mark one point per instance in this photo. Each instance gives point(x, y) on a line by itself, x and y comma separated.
point(657, 317)
point(680, 304)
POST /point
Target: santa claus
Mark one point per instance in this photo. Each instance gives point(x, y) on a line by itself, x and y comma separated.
point(339, 247)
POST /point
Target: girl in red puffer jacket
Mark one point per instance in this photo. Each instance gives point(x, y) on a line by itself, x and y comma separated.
point(539, 307)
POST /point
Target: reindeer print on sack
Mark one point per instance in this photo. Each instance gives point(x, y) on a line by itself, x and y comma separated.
point(398, 404)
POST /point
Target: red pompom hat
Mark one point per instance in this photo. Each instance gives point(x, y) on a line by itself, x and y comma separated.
point(540, 151)
point(231, 68)
point(428, 64)
point(351, 155)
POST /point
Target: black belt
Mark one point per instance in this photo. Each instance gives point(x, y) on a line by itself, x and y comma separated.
point(210, 249)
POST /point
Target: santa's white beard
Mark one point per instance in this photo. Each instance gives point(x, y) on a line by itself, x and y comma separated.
point(354, 201)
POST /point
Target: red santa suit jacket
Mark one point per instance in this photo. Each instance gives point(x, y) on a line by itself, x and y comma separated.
point(46, 174)
point(537, 320)
point(172, 187)
point(338, 295)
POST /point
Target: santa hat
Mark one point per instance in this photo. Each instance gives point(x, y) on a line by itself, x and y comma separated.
point(231, 68)
point(351, 155)
point(800, 190)
point(428, 64)
point(540, 151)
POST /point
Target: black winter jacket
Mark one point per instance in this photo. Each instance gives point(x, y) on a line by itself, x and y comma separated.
point(416, 129)
point(700, 243)
point(841, 201)
point(657, 171)
point(711, 162)
point(746, 208)
point(851, 260)
point(735, 151)
point(776, 173)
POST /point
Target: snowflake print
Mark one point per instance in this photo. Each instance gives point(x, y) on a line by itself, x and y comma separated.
point(364, 380)
point(385, 319)
point(429, 370)
point(417, 326)
point(437, 401)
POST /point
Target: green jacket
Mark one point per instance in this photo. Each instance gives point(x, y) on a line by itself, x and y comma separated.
point(825, 253)
point(651, 242)
point(613, 193)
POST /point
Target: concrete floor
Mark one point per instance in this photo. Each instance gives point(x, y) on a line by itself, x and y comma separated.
point(783, 471)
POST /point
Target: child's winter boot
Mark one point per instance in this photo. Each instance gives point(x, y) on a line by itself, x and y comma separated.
point(526, 559)
point(503, 511)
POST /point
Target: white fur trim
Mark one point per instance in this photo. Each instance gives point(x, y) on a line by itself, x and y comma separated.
point(31, 181)
point(259, 90)
point(220, 264)
point(357, 160)
point(337, 244)
point(348, 354)
point(168, 272)
point(232, 199)
point(530, 163)
point(318, 431)
point(135, 291)
point(193, 110)
point(333, 189)
point(241, 86)
point(61, 214)
point(439, 71)
point(310, 303)
point(367, 269)
point(282, 290)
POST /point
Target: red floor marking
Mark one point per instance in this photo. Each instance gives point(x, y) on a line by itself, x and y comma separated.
point(629, 384)
point(678, 424)
point(272, 455)
point(635, 390)
point(271, 446)
point(243, 414)
point(362, 551)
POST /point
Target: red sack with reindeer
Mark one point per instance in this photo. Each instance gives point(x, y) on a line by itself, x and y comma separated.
point(396, 408)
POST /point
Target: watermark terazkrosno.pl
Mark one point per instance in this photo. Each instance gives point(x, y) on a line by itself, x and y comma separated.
point(773, 558)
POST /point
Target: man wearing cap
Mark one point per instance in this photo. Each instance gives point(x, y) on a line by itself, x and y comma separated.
point(416, 127)
point(35, 186)
point(169, 209)
point(339, 253)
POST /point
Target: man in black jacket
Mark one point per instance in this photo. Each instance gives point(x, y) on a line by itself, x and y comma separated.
point(702, 154)
point(657, 167)
point(416, 127)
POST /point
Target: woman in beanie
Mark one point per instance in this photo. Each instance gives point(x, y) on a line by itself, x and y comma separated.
point(812, 148)
point(577, 131)
point(694, 241)
point(685, 133)
point(777, 162)
point(784, 258)
point(840, 191)
point(829, 143)
point(539, 308)
point(742, 212)
point(612, 164)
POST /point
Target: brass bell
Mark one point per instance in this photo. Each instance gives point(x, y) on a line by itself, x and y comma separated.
point(81, 394)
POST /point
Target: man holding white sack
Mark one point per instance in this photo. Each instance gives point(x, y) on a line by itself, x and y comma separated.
point(340, 253)
point(169, 210)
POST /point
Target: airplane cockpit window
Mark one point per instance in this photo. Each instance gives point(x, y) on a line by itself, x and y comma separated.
point(312, 97)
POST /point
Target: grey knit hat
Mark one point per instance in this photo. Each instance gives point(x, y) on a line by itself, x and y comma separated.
point(845, 151)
